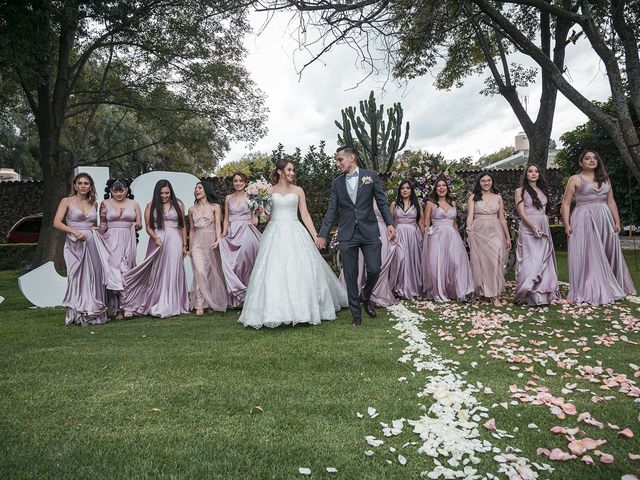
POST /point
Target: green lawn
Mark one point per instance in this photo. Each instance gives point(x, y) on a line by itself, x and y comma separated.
point(176, 398)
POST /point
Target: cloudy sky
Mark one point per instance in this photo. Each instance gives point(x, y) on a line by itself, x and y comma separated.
point(458, 123)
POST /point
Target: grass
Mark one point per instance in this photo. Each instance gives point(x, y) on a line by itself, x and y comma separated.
point(176, 398)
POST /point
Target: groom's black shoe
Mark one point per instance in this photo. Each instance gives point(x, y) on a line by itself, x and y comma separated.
point(357, 321)
point(368, 307)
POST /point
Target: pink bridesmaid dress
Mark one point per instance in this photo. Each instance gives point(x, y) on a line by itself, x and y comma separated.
point(158, 286)
point(238, 252)
point(408, 279)
point(446, 273)
point(488, 249)
point(208, 289)
point(119, 239)
point(598, 273)
point(86, 296)
point(536, 277)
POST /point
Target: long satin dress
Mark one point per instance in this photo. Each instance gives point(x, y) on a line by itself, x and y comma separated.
point(446, 272)
point(391, 256)
point(407, 281)
point(536, 271)
point(119, 239)
point(238, 252)
point(158, 286)
point(208, 289)
point(488, 249)
point(598, 273)
point(86, 296)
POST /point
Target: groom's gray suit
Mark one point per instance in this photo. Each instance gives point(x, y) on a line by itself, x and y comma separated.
point(357, 229)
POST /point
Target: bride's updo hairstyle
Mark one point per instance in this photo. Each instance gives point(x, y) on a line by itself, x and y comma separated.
point(280, 166)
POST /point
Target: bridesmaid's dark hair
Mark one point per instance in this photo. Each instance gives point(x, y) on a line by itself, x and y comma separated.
point(117, 184)
point(91, 196)
point(212, 198)
point(242, 175)
point(413, 199)
point(541, 184)
point(600, 176)
point(477, 191)
point(156, 206)
point(280, 165)
point(434, 193)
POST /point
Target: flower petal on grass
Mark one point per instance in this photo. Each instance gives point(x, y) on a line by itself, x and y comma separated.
point(304, 471)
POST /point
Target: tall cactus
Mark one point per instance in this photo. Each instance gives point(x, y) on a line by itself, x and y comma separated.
point(376, 140)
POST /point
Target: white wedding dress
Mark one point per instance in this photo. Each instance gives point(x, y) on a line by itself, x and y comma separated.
point(290, 283)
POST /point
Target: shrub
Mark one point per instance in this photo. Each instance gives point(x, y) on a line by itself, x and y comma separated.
point(559, 237)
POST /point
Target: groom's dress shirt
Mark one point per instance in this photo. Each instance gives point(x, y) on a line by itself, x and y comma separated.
point(353, 178)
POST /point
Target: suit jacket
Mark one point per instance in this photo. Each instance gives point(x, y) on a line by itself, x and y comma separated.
point(361, 213)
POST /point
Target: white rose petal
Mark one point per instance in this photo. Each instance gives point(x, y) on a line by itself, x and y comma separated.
point(304, 471)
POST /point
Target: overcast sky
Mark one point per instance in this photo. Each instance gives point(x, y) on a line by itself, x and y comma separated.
point(457, 123)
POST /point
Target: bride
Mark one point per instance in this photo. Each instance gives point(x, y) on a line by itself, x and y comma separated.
point(290, 283)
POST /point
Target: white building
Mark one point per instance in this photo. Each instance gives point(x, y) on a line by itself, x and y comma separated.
point(9, 175)
point(521, 155)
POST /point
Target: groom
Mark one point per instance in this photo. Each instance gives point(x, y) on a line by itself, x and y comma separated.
point(352, 196)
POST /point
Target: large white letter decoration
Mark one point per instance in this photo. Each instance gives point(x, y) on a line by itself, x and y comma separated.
point(44, 287)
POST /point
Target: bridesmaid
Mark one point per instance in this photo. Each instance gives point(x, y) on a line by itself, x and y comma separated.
point(86, 294)
point(208, 290)
point(158, 286)
point(407, 212)
point(446, 272)
point(536, 277)
point(392, 258)
point(120, 218)
point(489, 239)
point(598, 273)
point(240, 241)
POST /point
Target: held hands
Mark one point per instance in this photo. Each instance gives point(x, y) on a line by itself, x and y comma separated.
point(617, 227)
point(215, 243)
point(568, 230)
point(158, 241)
point(391, 233)
point(79, 236)
point(320, 242)
point(184, 250)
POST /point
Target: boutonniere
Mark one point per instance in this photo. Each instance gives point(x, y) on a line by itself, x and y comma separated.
point(366, 181)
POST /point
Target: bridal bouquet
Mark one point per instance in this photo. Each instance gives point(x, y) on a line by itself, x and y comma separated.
point(259, 196)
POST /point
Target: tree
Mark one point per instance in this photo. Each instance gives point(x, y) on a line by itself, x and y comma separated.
point(176, 60)
point(612, 28)
point(591, 135)
point(378, 141)
point(470, 45)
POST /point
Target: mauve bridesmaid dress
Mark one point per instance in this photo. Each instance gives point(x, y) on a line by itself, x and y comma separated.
point(446, 272)
point(598, 273)
point(158, 286)
point(119, 239)
point(86, 296)
point(208, 289)
point(238, 252)
point(407, 281)
point(488, 249)
point(536, 277)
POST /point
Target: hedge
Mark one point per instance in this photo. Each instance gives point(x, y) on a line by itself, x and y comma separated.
point(559, 237)
point(15, 256)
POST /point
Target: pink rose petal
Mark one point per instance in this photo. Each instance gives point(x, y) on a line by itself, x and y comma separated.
point(606, 458)
point(627, 433)
point(490, 424)
point(587, 459)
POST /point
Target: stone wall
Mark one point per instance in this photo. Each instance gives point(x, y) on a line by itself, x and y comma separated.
point(18, 199)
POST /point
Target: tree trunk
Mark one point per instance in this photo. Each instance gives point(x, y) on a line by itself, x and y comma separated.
point(51, 242)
